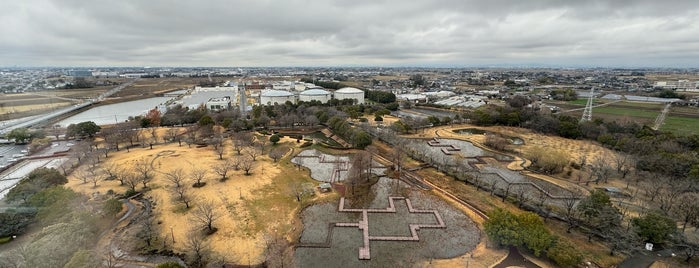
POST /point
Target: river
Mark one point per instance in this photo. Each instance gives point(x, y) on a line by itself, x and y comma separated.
point(112, 113)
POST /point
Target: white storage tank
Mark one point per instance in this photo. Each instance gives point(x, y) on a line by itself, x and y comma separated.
point(350, 93)
point(320, 95)
point(270, 97)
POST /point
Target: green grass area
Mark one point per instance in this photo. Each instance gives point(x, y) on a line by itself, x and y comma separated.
point(645, 105)
point(579, 102)
point(681, 125)
point(631, 112)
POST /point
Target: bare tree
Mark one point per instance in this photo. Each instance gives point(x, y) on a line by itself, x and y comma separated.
point(173, 134)
point(278, 251)
point(687, 209)
point(191, 135)
point(277, 153)
point(121, 174)
point(130, 132)
point(261, 144)
point(223, 168)
point(65, 166)
point(361, 167)
point(82, 175)
point(623, 162)
point(541, 199)
point(131, 180)
point(253, 152)
point(205, 214)
point(199, 175)
point(359, 171)
point(176, 176)
point(397, 157)
point(80, 150)
point(198, 250)
point(111, 170)
point(570, 201)
point(95, 176)
point(144, 168)
point(183, 195)
point(247, 164)
point(653, 186)
point(522, 195)
point(112, 136)
point(295, 189)
point(667, 196)
point(241, 140)
point(235, 161)
point(147, 232)
point(600, 170)
point(153, 137)
point(508, 186)
point(493, 186)
point(217, 143)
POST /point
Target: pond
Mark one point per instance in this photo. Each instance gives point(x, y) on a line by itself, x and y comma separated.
point(342, 249)
point(466, 149)
point(330, 168)
point(470, 131)
point(517, 141)
point(112, 113)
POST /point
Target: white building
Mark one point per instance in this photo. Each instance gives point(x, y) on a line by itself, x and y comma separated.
point(679, 85)
point(219, 104)
point(283, 85)
point(270, 97)
point(416, 98)
point(202, 95)
point(350, 93)
point(315, 94)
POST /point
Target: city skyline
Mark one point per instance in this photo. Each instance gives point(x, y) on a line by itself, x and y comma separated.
point(358, 33)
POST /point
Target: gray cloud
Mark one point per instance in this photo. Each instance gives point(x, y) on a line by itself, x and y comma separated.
point(366, 32)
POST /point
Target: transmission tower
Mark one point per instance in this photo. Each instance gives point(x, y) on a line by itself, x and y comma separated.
point(587, 113)
point(661, 117)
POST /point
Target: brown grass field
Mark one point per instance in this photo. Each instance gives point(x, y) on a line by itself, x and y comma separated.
point(251, 206)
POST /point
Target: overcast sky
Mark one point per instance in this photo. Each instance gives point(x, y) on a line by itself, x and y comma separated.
point(618, 33)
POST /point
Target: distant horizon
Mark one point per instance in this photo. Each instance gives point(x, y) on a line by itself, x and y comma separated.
point(501, 66)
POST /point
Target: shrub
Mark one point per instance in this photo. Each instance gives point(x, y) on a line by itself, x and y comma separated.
point(564, 254)
point(274, 139)
point(496, 142)
point(548, 161)
point(306, 144)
